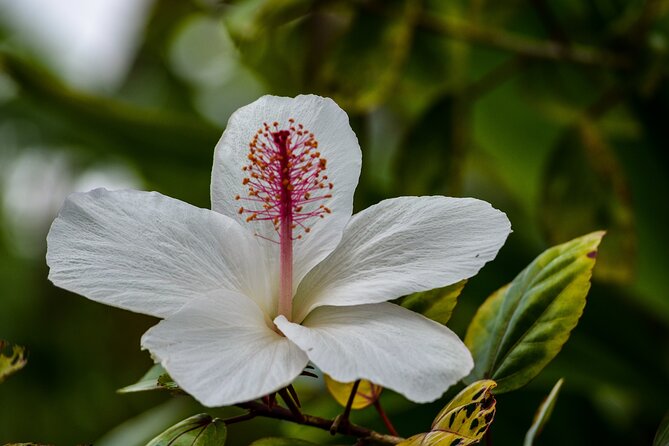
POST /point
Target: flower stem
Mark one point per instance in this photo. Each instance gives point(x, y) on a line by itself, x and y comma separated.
point(295, 410)
point(384, 417)
point(342, 419)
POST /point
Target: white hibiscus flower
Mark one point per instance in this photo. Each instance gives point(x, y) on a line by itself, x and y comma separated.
point(279, 273)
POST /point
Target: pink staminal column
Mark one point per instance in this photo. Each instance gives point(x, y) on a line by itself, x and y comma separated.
point(286, 184)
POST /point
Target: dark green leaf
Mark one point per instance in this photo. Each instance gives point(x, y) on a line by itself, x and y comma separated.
point(662, 435)
point(522, 326)
point(281, 442)
point(198, 430)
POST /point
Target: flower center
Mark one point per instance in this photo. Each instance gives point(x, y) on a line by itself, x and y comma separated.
point(286, 182)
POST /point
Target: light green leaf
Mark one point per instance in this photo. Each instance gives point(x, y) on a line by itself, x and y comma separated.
point(13, 362)
point(543, 414)
point(155, 379)
point(436, 304)
point(198, 430)
point(522, 326)
point(662, 435)
point(282, 442)
point(463, 421)
point(367, 393)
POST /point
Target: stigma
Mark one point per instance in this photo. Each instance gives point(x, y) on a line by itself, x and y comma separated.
point(286, 179)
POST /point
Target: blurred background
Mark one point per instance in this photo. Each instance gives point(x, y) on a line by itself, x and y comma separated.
point(555, 112)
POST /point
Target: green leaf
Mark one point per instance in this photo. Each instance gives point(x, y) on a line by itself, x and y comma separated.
point(662, 435)
point(436, 304)
point(198, 430)
point(13, 362)
point(463, 421)
point(155, 379)
point(367, 393)
point(281, 442)
point(585, 188)
point(543, 414)
point(522, 326)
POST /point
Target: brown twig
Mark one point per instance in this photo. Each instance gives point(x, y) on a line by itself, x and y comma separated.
point(240, 418)
point(294, 408)
point(281, 413)
point(342, 419)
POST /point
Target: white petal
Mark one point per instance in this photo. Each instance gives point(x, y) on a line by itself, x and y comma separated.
point(337, 144)
point(221, 350)
point(384, 343)
point(148, 253)
point(401, 246)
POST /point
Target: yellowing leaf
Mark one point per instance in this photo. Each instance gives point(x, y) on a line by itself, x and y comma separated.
point(543, 414)
point(463, 421)
point(12, 363)
point(365, 396)
point(522, 326)
point(436, 304)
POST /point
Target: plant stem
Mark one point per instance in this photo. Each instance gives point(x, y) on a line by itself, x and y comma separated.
point(524, 46)
point(342, 419)
point(351, 398)
point(281, 413)
point(239, 418)
point(294, 409)
point(384, 417)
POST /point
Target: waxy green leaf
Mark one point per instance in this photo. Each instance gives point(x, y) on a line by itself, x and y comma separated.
point(522, 326)
point(437, 304)
point(463, 421)
point(543, 414)
point(662, 434)
point(198, 430)
point(281, 442)
point(13, 362)
point(365, 396)
point(156, 378)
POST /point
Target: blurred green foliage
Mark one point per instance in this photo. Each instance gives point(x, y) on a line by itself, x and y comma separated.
point(554, 112)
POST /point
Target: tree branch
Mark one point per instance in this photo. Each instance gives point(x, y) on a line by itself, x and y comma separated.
point(524, 46)
point(281, 413)
point(514, 43)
